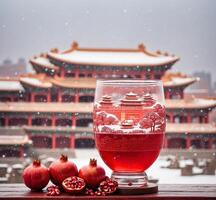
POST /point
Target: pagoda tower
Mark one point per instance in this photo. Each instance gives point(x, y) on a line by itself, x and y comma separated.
point(54, 105)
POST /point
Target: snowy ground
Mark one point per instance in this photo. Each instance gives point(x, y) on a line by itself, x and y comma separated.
point(165, 176)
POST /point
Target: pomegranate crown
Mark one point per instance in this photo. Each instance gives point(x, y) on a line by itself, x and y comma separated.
point(64, 158)
point(93, 162)
point(36, 163)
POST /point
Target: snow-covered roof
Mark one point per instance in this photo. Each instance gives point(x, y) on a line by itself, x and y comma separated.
point(57, 128)
point(46, 107)
point(10, 85)
point(43, 62)
point(13, 140)
point(13, 136)
point(179, 81)
point(35, 82)
point(113, 57)
point(190, 103)
point(190, 128)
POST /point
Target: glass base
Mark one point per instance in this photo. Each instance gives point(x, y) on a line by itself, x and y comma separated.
point(133, 180)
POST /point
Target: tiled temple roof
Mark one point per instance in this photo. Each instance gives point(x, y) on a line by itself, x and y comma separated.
point(57, 128)
point(46, 107)
point(171, 80)
point(191, 128)
point(113, 57)
point(190, 103)
point(13, 136)
point(43, 61)
point(10, 84)
point(35, 82)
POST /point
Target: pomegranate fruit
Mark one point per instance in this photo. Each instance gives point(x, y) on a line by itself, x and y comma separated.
point(61, 169)
point(36, 176)
point(92, 174)
point(73, 185)
point(53, 191)
point(108, 186)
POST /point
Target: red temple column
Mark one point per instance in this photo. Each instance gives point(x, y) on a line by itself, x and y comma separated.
point(72, 141)
point(165, 142)
point(6, 121)
point(29, 120)
point(171, 117)
point(189, 118)
point(77, 98)
point(210, 143)
point(62, 72)
point(73, 121)
point(32, 96)
point(59, 96)
point(206, 118)
point(200, 119)
point(152, 76)
point(182, 94)
point(76, 74)
point(188, 142)
point(167, 94)
point(49, 96)
point(53, 120)
point(53, 140)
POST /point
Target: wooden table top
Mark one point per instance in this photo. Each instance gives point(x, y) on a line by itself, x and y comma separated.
point(166, 192)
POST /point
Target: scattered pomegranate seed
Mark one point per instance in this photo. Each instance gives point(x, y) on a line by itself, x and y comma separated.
point(53, 191)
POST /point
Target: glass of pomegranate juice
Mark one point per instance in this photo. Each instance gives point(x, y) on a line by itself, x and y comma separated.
point(129, 126)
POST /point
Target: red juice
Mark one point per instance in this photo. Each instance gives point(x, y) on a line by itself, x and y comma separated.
point(131, 152)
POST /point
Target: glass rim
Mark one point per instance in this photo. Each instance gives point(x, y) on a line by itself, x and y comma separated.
point(129, 81)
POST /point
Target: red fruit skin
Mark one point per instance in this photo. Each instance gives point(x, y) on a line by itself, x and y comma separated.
point(36, 177)
point(61, 169)
point(92, 174)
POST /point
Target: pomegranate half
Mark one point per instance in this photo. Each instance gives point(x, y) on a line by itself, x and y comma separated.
point(73, 185)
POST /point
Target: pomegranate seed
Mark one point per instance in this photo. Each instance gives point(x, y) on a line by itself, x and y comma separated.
point(53, 191)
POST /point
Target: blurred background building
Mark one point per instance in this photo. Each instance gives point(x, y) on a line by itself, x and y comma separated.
point(11, 69)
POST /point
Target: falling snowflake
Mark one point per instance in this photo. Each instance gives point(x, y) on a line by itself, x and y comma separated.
point(124, 10)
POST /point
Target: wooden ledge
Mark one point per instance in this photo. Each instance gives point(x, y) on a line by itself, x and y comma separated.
point(166, 192)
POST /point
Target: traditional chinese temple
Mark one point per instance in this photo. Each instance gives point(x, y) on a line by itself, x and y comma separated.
point(54, 105)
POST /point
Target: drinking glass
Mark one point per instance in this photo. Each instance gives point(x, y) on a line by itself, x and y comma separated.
point(129, 125)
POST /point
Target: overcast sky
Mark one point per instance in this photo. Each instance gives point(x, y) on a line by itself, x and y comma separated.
point(186, 28)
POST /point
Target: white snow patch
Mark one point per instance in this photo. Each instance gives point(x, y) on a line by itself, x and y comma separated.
point(11, 85)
